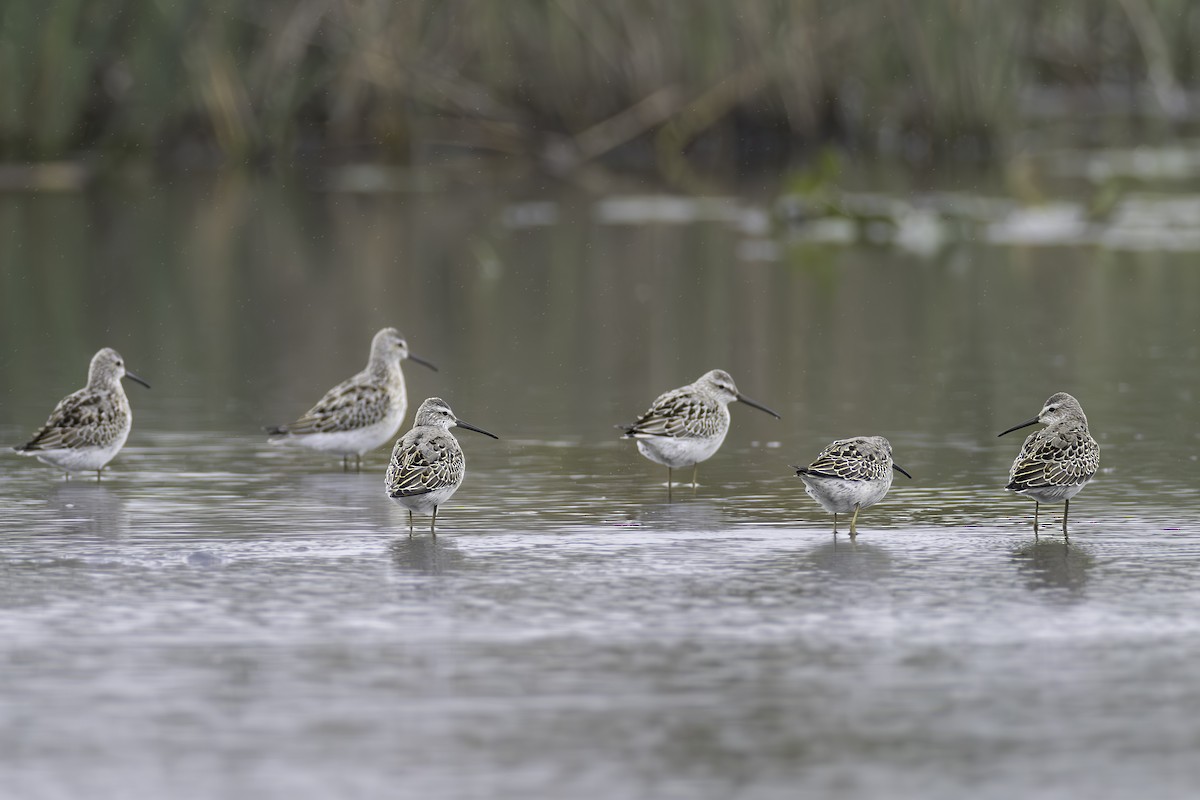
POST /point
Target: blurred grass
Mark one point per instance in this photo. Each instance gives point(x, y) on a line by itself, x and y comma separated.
point(561, 81)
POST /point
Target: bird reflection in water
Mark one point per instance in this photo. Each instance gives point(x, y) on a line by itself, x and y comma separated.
point(425, 555)
point(701, 516)
point(88, 509)
point(851, 559)
point(1053, 564)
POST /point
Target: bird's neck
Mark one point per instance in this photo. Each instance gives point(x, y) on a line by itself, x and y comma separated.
point(385, 368)
point(104, 383)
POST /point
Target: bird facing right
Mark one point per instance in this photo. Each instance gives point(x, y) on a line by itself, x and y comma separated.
point(427, 465)
point(1057, 461)
point(687, 425)
point(363, 411)
point(88, 427)
point(850, 475)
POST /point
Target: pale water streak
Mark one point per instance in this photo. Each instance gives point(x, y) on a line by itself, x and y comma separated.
point(230, 631)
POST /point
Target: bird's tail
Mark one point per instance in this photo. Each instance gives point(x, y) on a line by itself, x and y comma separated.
point(34, 445)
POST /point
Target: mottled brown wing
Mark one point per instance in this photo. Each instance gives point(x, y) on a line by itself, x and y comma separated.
point(81, 419)
point(846, 460)
point(679, 413)
point(1055, 458)
point(422, 463)
point(352, 404)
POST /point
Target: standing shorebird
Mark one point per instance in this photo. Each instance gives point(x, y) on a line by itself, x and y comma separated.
point(360, 413)
point(88, 427)
point(687, 425)
point(850, 475)
point(427, 464)
point(1055, 462)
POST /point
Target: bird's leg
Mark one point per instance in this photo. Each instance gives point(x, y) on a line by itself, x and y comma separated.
point(668, 484)
point(98, 474)
point(853, 523)
point(1066, 510)
point(1036, 507)
point(410, 522)
point(695, 467)
point(345, 463)
point(433, 521)
point(358, 463)
point(835, 524)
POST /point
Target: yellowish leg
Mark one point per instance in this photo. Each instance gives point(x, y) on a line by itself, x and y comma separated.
point(853, 525)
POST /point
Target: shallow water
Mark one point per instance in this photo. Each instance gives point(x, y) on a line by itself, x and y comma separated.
point(223, 618)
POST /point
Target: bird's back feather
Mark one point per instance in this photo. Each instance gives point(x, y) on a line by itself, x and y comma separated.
point(354, 403)
point(851, 460)
point(85, 418)
point(1060, 455)
point(679, 413)
point(424, 459)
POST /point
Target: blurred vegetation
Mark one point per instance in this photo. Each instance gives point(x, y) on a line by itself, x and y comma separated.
point(563, 82)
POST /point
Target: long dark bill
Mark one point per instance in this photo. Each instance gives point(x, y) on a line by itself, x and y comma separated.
point(759, 406)
point(136, 379)
point(469, 427)
point(1024, 424)
point(422, 362)
point(901, 470)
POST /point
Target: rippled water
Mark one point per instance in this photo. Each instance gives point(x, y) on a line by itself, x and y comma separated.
point(223, 618)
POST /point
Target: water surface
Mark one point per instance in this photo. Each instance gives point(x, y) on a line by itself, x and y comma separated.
point(223, 618)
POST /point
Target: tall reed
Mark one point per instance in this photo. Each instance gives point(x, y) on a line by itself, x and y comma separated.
point(561, 80)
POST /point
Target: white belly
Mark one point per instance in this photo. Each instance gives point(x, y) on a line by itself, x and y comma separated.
point(82, 459)
point(679, 452)
point(838, 496)
point(425, 503)
point(357, 441)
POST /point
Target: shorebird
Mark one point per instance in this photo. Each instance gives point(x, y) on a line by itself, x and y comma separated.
point(850, 475)
point(1057, 461)
point(687, 425)
point(427, 465)
point(362, 412)
point(88, 427)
